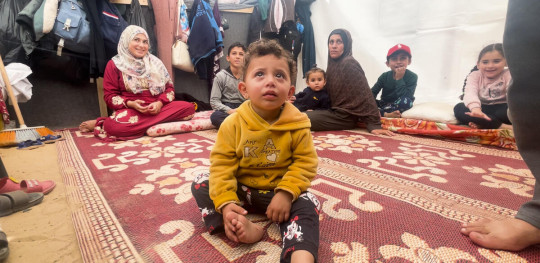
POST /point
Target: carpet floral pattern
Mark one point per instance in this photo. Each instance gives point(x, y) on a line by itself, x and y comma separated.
point(398, 199)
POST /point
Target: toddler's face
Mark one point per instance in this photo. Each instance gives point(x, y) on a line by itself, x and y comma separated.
point(316, 81)
point(397, 61)
point(491, 64)
point(267, 84)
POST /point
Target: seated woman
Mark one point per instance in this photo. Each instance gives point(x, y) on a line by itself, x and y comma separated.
point(350, 95)
point(139, 89)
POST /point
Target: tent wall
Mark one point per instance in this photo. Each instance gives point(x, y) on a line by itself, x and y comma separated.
point(445, 37)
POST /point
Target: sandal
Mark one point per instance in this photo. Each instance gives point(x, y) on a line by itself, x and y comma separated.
point(4, 249)
point(17, 201)
point(51, 138)
point(29, 145)
point(9, 184)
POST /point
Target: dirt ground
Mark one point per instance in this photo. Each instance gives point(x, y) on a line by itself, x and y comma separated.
point(45, 232)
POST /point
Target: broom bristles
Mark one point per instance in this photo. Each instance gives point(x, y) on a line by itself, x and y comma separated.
point(12, 137)
point(7, 138)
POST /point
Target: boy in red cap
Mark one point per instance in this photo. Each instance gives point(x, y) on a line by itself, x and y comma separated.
point(397, 85)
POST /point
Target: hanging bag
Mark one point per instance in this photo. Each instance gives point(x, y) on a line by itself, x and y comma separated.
point(180, 53)
point(71, 27)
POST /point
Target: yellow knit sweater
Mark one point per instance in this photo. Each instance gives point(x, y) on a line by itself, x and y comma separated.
point(252, 152)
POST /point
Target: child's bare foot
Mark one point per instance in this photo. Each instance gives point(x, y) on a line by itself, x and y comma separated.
point(247, 231)
point(87, 126)
point(394, 114)
point(473, 125)
point(509, 234)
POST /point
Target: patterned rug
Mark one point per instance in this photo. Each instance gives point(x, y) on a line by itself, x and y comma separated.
point(398, 199)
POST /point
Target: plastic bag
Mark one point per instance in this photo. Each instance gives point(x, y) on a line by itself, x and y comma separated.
point(13, 40)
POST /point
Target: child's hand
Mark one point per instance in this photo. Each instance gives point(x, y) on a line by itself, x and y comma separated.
point(399, 73)
point(230, 212)
point(292, 99)
point(477, 112)
point(280, 207)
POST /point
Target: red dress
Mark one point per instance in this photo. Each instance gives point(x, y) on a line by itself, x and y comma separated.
point(127, 123)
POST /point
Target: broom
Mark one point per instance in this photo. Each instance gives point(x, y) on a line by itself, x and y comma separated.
point(12, 137)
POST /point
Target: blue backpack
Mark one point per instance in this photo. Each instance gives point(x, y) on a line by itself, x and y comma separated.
point(71, 27)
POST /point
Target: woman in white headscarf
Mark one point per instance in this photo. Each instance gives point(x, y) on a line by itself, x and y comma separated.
point(139, 89)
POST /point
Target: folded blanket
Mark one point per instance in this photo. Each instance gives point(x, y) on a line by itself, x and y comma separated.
point(497, 137)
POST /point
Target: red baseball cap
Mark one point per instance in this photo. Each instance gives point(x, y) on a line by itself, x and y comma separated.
point(398, 47)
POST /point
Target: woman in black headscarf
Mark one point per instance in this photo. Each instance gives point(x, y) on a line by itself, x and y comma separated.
point(349, 92)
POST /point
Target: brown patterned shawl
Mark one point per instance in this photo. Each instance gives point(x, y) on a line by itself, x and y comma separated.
point(348, 87)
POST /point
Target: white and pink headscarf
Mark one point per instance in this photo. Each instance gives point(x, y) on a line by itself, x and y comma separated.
point(143, 73)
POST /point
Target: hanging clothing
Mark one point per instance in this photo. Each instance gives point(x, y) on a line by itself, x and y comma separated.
point(263, 7)
point(15, 40)
point(219, 50)
point(256, 26)
point(204, 40)
point(98, 55)
point(279, 12)
point(308, 38)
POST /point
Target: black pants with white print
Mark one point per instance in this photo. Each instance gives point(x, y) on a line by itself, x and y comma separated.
point(300, 232)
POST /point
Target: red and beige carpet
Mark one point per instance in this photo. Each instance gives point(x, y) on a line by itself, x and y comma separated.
point(399, 199)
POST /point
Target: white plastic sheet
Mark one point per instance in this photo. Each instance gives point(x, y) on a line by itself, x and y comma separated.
point(22, 88)
point(445, 37)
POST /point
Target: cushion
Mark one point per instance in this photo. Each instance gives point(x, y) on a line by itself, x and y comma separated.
point(200, 121)
point(432, 111)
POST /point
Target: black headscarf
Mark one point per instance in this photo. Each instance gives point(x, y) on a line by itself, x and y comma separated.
point(347, 43)
point(347, 85)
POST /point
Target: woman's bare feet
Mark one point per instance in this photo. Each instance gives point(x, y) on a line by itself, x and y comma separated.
point(394, 114)
point(473, 125)
point(509, 234)
point(247, 231)
point(87, 126)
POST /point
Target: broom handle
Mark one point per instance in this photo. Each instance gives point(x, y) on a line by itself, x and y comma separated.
point(11, 95)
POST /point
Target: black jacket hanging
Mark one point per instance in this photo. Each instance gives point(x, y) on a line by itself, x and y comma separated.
point(308, 39)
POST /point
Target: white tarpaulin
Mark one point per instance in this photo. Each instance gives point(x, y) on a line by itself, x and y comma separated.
point(445, 37)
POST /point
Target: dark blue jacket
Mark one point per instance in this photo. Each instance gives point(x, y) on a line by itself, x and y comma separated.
point(312, 100)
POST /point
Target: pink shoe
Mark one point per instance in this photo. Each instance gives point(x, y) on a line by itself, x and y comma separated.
point(8, 184)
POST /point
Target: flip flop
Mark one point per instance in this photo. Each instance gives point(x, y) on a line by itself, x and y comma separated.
point(17, 201)
point(9, 184)
point(4, 249)
point(29, 145)
point(51, 138)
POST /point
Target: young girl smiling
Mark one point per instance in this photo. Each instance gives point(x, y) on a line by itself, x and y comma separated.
point(484, 101)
